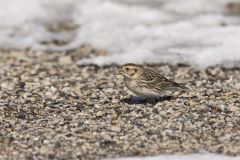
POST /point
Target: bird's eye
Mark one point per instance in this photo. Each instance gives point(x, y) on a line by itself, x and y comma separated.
point(127, 69)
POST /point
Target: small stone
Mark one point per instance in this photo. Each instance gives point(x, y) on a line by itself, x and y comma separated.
point(232, 108)
point(155, 110)
point(115, 129)
point(237, 86)
point(53, 89)
point(48, 94)
point(46, 142)
point(222, 107)
point(114, 101)
point(44, 150)
point(65, 60)
point(99, 113)
point(68, 118)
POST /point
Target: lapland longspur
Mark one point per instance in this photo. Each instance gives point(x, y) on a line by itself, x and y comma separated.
point(146, 82)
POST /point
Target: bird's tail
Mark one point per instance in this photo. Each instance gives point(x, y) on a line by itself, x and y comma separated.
point(182, 86)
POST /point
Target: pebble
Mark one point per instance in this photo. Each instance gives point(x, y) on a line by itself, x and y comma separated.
point(115, 129)
point(232, 108)
point(65, 60)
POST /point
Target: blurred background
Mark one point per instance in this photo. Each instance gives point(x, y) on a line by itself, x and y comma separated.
point(197, 32)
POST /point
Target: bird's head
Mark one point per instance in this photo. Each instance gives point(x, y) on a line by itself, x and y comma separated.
point(130, 70)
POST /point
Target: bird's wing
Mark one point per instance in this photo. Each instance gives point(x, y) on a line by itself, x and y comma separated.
point(165, 84)
point(150, 75)
point(156, 80)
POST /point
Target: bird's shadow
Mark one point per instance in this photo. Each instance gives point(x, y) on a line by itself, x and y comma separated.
point(141, 100)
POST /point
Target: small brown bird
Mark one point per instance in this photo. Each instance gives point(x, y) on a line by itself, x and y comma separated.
point(146, 82)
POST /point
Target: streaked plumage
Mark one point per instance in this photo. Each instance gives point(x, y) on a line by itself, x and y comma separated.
point(146, 82)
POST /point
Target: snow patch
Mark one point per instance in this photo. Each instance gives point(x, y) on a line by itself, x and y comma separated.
point(198, 32)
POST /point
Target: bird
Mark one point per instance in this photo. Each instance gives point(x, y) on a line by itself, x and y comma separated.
point(146, 82)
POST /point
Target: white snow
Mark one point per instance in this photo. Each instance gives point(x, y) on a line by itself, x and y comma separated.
point(189, 31)
point(198, 32)
point(206, 156)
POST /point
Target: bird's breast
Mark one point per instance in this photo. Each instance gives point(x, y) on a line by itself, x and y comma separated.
point(131, 85)
point(140, 90)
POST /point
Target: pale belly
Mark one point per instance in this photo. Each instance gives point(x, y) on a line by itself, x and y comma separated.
point(144, 92)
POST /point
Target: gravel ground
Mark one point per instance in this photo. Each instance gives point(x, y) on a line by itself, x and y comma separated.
point(50, 108)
